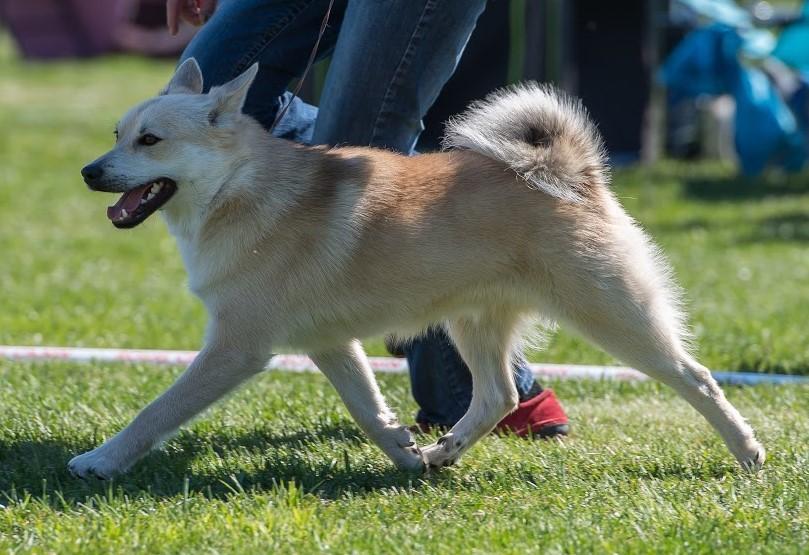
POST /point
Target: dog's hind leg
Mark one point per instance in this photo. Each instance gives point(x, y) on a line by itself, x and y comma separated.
point(348, 370)
point(633, 318)
point(485, 345)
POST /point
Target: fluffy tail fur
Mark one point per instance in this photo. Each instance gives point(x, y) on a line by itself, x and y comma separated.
point(542, 134)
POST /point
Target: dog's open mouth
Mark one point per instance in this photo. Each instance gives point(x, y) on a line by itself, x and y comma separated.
point(138, 204)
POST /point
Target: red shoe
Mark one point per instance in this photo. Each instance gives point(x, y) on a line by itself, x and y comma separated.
point(540, 416)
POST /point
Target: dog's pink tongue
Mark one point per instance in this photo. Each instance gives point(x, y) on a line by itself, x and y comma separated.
point(129, 201)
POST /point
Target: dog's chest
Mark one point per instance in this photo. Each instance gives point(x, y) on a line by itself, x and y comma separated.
point(200, 265)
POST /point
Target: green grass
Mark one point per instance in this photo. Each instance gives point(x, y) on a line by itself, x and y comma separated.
point(263, 472)
point(280, 467)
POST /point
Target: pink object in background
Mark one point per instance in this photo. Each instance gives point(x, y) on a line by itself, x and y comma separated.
point(82, 28)
point(62, 28)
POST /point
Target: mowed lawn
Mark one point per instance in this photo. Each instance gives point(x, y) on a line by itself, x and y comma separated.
point(280, 467)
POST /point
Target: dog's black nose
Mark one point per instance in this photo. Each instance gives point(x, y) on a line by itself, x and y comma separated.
point(92, 173)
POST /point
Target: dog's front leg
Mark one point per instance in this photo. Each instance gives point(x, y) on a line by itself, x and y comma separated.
point(348, 370)
point(212, 374)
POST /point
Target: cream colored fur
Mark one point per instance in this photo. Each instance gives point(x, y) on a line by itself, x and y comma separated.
point(312, 248)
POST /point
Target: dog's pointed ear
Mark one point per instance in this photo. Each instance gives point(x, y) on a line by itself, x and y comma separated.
point(187, 79)
point(229, 98)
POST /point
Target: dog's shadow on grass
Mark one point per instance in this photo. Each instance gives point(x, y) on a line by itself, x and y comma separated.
point(260, 461)
point(39, 468)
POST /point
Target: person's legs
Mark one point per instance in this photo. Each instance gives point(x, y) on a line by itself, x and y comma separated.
point(388, 68)
point(390, 62)
point(279, 34)
point(439, 379)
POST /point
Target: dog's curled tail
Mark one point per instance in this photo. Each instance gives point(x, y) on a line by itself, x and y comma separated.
point(542, 134)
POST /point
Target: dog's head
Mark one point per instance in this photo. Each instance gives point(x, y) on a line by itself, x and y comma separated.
point(180, 141)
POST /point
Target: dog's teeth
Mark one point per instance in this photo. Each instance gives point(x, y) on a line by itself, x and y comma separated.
point(156, 188)
point(150, 196)
point(143, 201)
point(124, 213)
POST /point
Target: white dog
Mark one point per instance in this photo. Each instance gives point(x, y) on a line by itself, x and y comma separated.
point(312, 248)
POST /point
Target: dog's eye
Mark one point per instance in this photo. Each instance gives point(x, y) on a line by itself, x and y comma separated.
point(115, 133)
point(148, 140)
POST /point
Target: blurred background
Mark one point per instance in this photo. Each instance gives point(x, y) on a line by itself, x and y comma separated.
point(679, 78)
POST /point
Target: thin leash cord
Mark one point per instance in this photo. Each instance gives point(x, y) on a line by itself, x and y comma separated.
point(308, 67)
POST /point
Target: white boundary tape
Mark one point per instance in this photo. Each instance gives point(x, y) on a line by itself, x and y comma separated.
point(301, 363)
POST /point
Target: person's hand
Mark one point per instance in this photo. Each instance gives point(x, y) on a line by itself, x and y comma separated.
point(195, 12)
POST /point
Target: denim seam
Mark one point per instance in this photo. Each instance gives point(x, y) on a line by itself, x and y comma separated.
point(404, 63)
point(269, 35)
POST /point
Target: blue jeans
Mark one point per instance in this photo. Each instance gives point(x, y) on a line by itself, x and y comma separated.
point(390, 60)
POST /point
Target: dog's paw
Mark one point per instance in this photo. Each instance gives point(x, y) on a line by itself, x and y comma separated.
point(748, 452)
point(403, 450)
point(444, 452)
point(755, 462)
point(95, 464)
